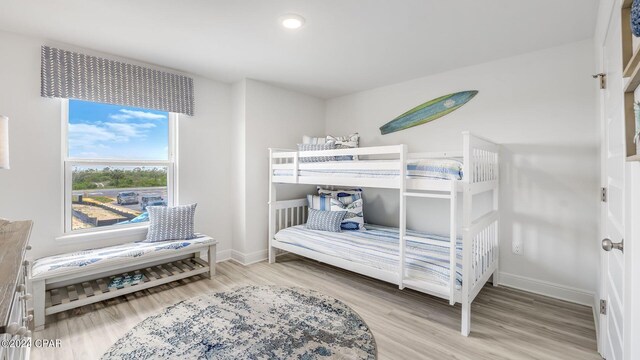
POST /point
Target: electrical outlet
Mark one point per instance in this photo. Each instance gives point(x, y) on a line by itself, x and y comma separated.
point(516, 246)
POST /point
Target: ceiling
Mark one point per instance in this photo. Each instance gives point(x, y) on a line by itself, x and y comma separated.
point(345, 45)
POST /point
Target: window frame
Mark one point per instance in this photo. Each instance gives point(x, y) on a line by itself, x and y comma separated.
point(68, 164)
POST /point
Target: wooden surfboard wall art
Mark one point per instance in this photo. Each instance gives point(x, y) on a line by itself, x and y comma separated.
point(428, 111)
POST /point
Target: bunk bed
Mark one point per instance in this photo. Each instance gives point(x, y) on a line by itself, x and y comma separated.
point(420, 261)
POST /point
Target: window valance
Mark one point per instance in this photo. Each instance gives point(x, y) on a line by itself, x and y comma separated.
point(71, 75)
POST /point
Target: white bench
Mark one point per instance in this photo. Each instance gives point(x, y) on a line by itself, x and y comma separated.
point(66, 281)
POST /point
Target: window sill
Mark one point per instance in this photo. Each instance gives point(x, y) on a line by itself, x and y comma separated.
point(104, 234)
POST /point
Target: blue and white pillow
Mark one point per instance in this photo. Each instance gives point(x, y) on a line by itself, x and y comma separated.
point(171, 223)
point(319, 202)
point(325, 220)
point(346, 196)
point(354, 218)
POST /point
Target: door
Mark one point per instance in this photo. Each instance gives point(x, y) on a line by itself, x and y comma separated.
point(613, 178)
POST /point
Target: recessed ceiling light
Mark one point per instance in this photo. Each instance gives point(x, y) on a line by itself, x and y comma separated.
point(292, 21)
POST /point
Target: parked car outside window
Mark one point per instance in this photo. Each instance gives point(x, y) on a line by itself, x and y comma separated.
point(127, 198)
point(151, 200)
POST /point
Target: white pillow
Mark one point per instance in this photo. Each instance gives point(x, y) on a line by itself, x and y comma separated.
point(313, 140)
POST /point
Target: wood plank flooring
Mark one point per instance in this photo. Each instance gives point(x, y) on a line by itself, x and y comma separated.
point(505, 323)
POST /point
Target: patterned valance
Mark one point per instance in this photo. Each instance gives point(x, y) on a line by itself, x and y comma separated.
point(70, 75)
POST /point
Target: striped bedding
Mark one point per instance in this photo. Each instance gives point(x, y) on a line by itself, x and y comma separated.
point(378, 247)
point(447, 169)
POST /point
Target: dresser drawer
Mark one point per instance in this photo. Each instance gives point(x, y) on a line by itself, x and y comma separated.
point(18, 313)
point(15, 322)
point(18, 328)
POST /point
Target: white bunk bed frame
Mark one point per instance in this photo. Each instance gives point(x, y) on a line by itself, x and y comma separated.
point(480, 245)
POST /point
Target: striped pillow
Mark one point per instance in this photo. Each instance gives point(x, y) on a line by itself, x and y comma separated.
point(325, 220)
point(317, 147)
point(171, 223)
point(319, 202)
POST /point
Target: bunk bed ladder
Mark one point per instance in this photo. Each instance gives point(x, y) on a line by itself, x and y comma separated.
point(402, 223)
point(453, 243)
point(452, 196)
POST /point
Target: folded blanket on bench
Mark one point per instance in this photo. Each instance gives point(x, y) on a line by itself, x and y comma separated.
point(64, 264)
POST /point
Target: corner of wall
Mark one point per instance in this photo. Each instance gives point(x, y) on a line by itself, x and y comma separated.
point(238, 169)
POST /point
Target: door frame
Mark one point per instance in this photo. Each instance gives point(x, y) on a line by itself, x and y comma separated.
point(605, 14)
point(631, 285)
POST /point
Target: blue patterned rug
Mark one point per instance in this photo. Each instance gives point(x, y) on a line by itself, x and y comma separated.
point(253, 322)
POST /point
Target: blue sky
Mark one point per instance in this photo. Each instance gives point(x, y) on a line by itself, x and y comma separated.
point(102, 131)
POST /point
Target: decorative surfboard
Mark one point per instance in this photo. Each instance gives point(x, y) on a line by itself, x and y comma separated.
point(428, 111)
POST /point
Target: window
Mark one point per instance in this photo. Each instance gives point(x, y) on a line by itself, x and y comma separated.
point(118, 161)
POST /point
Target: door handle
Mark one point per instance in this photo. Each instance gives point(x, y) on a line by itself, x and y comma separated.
point(608, 245)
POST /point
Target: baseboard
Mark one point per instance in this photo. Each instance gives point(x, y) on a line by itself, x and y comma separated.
point(223, 255)
point(557, 291)
point(250, 258)
point(541, 287)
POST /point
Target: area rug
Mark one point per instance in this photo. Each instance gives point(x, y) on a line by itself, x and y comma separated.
point(253, 322)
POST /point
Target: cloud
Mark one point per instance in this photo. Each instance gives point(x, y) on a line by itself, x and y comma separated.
point(124, 114)
point(129, 130)
point(87, 137)
point(119, 117)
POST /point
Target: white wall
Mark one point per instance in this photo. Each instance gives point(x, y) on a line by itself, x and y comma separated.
point(273, 117)
point(540, 107)
point(32, 189)
point(205, 146)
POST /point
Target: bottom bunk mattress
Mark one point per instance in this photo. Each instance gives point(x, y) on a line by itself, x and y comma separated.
point(427, 259)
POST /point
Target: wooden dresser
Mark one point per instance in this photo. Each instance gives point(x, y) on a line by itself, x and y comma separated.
point(15, 319)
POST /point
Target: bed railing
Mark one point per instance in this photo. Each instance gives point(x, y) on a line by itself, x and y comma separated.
point(481, 158)
point(483, 235)
point(480, 239)
point(290, 213)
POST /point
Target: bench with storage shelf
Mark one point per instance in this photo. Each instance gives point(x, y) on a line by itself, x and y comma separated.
point(68, 281)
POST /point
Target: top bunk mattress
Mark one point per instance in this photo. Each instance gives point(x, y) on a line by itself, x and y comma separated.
point(444, 169)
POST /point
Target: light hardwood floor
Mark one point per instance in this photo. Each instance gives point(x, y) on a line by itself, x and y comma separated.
point(506, 323)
